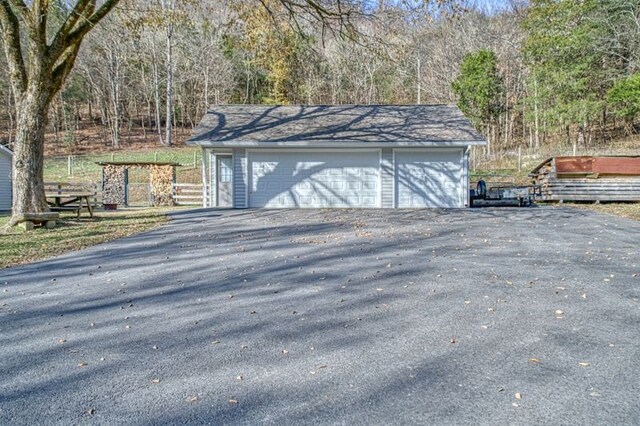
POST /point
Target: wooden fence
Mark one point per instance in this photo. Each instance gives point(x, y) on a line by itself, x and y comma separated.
point(189, 194)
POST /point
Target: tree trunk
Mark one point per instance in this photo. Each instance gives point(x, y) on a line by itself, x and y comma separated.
point(156, 88)
point(169, 102)
point(28, 156)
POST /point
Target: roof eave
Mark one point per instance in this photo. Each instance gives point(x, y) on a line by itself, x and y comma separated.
point(207, 143)
point(6, 151)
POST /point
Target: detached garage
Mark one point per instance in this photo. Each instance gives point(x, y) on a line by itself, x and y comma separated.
point(5, 179)
point(409, 156)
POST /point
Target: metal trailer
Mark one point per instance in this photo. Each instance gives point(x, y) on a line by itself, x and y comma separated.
point(503, 194)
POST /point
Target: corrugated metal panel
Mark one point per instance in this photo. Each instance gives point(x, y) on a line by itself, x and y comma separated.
point(5, 182)
point(386, 178)
point(601, 165)
point(239, 178)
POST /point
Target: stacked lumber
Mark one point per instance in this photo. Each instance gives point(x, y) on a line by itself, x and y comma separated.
point(161, 181)
point(113, 185)
point(588, 179)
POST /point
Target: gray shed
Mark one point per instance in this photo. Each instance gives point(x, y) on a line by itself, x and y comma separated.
point(375, 156)
point(5, 179)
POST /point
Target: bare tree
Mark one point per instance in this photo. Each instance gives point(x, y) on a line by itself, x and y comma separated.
point(38, 66)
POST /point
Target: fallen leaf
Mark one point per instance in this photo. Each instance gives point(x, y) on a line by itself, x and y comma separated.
point(534, 361)
point(62, 341)
point(583, 364)
point(239, 377)
point(559, 312)
point(215, 342)
point(155, 381)
point(193, 398)
point(233, 401)
point(91, 411)
point(285, 352)
point(453, 339)
point(518, 395)
point(82, 364)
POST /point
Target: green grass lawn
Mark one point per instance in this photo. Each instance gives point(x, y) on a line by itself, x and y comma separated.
point(17, 246)
point(628, 210)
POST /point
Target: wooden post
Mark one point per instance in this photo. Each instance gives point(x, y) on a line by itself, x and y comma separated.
point(69, 166)
point(126, 187)
point(519, 158)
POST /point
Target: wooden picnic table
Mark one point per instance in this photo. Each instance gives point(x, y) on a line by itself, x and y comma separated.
point(63, 200)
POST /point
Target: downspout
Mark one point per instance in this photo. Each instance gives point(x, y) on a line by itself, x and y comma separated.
point(467, 153)
point(204, 179)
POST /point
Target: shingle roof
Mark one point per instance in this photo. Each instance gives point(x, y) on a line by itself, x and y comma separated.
point(340, 123)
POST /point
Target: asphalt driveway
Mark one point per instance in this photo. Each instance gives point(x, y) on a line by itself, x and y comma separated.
point(521, 316)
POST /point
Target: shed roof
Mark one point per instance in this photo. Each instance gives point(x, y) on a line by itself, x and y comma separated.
point(6, 151)
point(137, 163)
point(586, 164)
point(229, 125)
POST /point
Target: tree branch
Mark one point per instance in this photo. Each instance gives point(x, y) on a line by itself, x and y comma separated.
point(13, 49)
point(83, 28)
point(61, 71)
point(40, 13)
point(59, 41)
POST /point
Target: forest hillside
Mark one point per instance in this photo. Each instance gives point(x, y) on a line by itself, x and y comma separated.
point(529, 74)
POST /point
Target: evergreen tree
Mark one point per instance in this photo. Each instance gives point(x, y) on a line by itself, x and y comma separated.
point(624, 97)
point(479, 88)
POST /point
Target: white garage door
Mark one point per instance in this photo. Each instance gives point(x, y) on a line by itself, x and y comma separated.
point(429, 179)
point(314, 179)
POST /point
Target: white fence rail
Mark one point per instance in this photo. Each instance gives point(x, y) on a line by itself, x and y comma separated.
point(189, 194)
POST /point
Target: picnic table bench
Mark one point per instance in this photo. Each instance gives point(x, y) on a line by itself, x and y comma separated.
point(69, 198)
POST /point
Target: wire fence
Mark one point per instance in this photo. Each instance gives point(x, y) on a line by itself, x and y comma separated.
point(84, 168)
point(521, 161)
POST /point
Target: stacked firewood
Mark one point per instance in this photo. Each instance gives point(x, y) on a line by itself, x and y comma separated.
point(113, 185)
point(161, 180)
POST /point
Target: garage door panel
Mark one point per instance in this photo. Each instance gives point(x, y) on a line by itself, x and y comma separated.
point(428, 179)
point(314, 179)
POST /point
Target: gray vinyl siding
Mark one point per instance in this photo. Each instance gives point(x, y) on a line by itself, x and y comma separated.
point(240, 178)
point(387, 178)
point(5, 182)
